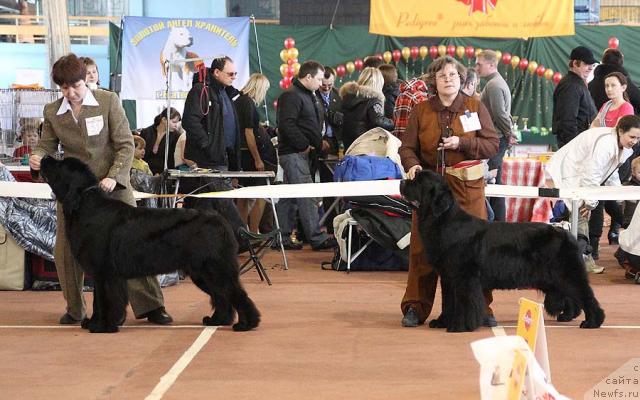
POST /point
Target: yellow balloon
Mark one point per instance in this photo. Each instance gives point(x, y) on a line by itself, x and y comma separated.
point(284, 54)
point(296, 68)
point(292, 53)
point(442, 50)
point(283, 70)
point(406, 53)
point(350, 67)
point(460, 51)
point(499, 56)
point(424, 50)
point(515, 60)
point(548, 74)
point(386, 56)
point(532, 67)
point(478, 51)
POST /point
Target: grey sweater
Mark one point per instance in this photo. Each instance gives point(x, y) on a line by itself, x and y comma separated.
point(496, 96)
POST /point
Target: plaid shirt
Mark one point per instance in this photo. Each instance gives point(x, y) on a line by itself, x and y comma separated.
point(411, 93)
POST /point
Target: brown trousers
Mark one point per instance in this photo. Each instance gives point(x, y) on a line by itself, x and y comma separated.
point(423, 279)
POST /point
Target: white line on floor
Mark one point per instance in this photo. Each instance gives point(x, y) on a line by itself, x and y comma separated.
point(170, 377)
point(498, 331)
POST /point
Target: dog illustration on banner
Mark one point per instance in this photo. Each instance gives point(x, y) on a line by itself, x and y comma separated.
point(176, 49)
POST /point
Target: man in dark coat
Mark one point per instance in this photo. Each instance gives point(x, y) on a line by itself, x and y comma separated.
point(612, 61)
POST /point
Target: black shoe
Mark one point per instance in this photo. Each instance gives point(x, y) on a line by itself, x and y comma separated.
point(595, 247)
point(158, 316)
point(612, 237)
point(489, 321)
point(410, 319)
point(330, 243)
point(67, 319)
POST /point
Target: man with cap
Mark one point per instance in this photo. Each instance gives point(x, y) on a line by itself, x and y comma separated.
point(573, 107)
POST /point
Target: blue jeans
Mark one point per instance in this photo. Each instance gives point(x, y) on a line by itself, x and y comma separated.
point(296, 170)
point(498, 204)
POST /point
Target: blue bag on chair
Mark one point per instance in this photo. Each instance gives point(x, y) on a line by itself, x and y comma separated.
point(366, 168)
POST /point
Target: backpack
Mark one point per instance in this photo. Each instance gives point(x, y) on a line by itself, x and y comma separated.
point(366, 168)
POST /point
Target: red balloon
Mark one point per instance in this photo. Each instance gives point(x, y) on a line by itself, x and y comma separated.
point(540, 70)
point(283, 84)
point(470, 52)
point(290, 61)
point(415, 52)
point(451, 50)
point(396, 54)
point(341, 70)
point(289, 43)
point(290, 70)
point(556, 77)
point(433, 52)
point(275, 103)
point(358, 63)
point(506, 58)
point(287, 80)
point(613, 42)
point(524, 63)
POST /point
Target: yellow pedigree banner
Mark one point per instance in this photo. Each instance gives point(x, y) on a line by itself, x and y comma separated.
point(472, 18)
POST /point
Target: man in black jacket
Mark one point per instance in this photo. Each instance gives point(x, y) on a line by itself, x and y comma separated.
point(612, 61)
point(300, 121)
point(573, 107)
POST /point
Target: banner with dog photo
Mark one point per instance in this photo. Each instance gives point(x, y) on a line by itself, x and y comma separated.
point(148, 42)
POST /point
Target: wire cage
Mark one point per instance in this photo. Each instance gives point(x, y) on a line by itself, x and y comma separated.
point(20, 119)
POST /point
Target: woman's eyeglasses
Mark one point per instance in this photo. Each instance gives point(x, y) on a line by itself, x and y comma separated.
point(450, 76)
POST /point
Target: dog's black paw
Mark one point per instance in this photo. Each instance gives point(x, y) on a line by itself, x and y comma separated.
point(243, 326)
point(103, 328)
point(564, 317)
point(590, 324)
point(216, 320)
point(438, 323)
point(85, 323)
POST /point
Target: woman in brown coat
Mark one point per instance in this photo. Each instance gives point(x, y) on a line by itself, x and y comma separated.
point(91, 126)
point(443, 131)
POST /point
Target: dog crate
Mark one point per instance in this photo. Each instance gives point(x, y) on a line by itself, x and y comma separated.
point(20, 111)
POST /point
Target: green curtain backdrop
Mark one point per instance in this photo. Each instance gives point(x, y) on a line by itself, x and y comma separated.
point(532, 95)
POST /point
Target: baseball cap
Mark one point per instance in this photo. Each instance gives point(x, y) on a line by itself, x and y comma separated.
point(583, 54)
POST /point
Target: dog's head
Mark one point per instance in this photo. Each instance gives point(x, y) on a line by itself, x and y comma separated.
point(180, 37)
point(68, 178)
point(427, 191)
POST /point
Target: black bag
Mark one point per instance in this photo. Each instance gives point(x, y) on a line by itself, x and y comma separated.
point(264, 144)
point(373, 258)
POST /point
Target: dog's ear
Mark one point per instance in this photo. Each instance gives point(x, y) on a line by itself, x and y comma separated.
point(441, 198)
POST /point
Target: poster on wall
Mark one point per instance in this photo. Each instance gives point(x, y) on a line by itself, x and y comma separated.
point(149, 43)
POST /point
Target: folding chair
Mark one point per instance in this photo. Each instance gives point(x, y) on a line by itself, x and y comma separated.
point(258, 244)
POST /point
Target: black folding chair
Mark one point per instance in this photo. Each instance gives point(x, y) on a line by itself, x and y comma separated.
point(258, 244)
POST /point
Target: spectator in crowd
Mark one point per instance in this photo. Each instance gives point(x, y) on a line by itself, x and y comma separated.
point(363, 105)
point(213, 137)
point(612, 61)
point(138, 163)
point(471, 84)
point(434, 138)
point(332, 104)
point(109, 154)
point(590, 160)
point(93, 76)
point(179, 160)
point(29, 135)
point(253, 94)
point(155, 137)
point(496, 97)
point(390, 89)
point(142, 178)
point(412, 92)
point(372, 61)
point(573, 107)
point(615, 85)
point(300, 121)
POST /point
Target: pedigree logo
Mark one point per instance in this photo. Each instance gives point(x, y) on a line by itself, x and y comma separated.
point(482, 6)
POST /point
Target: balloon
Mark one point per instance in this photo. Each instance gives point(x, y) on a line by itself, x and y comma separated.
point(296, 67)
point(548, 74)
point(340, 70)
point(532, 67)
point(540, 70)
point(523, 64)
point(287, 80)
point(556, 77)
point(478, 51)
point(460, 51)
point(284, 55)
point(433, 52)
point(290, 70)
point(470, 51)
point(291, 61)
point(423, 50)
point(283, 70)
point(396, 55)
point(406, 53)
point(275, 103)
point(442, 50)
point(350, 66)
point(289, 43)
point(283, 84)
point(613, 42)
point(451, 50)
point(506, 58)
point(498, 55)
point(415, 52)
point(386, 56)
point(292, 52)
point(515, 60)
point(358, 64)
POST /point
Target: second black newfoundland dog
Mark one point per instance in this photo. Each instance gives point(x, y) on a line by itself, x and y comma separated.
point(470, 254)
point(114, 241)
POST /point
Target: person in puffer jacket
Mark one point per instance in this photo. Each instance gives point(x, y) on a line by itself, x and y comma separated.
point(363, 106)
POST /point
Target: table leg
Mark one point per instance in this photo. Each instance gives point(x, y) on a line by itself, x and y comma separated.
point(275, 218)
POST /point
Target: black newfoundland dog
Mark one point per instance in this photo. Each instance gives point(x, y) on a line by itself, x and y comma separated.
point(113, 242)
point(471, 254)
